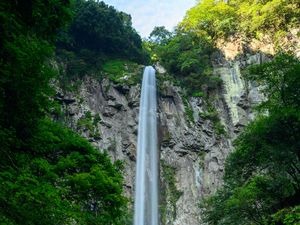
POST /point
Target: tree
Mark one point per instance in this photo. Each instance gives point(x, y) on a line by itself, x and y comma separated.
point(268, 17)
point(262, 174)
point(28, 30)
point(100, 28)
point(48, 174)
point(280, 81)
point(59, 179)
point(221, 19)
point(186, 56)
point(212, 19)
point(160, 35)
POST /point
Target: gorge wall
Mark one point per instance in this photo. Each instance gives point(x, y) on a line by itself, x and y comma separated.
point(193, 145)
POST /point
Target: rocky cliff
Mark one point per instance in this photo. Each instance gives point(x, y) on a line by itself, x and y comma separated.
point(195, 133)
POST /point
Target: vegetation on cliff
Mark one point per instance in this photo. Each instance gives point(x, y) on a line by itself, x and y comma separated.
point(186, 57)
point(48, 174)
point(220, 19)
point(97, 34)
point(262, 174)
point(186, 53)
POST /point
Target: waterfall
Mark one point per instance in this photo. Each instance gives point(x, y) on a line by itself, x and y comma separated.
point(146, 184)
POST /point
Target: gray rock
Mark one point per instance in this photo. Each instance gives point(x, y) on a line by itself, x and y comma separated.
point(194, 150)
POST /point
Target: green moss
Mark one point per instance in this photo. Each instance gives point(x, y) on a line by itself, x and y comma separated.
point(56, 110)
point(113, 145)
point(88, 115)
point(85, 123)
point(167, 136)
point(165, 77)
point(114, 67)
point(202, 155)
point(198, 94)
point(188, 110)
point(71, 86)
point(219, 128)
point(170, 193)
point(81, 100)
point(287, 216)
point(97, 119)
point(107, 87)
point(90, 123)
point(122, 71)
point(212, 115)
point(96, 134)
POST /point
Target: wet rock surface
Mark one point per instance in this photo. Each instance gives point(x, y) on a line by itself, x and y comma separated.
point(107, 115)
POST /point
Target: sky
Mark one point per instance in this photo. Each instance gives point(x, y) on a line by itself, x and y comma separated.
point(146, 14)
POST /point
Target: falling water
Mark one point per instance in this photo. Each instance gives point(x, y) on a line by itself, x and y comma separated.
point(146, 193)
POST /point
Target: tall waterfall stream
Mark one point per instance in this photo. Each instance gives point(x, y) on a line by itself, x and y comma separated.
point(146, 187)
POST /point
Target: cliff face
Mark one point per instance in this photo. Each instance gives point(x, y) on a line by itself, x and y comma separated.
point(193, 143)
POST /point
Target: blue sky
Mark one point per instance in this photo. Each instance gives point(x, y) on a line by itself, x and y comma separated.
point(146, 14)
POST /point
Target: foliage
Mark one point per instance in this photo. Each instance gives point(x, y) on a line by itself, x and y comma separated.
point(160, 35)
point(25, 44)
point(89, 123)
point(58, 179)
point(48, 174)
point(287, 216)
point(212, 115)
point(188, 110)
point(171, 194)
point(186, 57)
point(100, 27)
point(262, 174)
point(220, 19)
point(211, 19)
point(77, 65)
point(188, 49)
point(86, 122)
point(198, 94)
point(98, 33)
point(271, 16)
point(280, 81)
point(97, 119)
point(122, 71)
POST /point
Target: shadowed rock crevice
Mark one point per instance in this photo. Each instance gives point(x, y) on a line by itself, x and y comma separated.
point(195, 150)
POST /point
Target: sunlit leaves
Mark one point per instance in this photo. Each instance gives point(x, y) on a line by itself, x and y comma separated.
point(262, 174)
point(220, 19)
point(211, 18)
point(279, 79)
point(160, 35)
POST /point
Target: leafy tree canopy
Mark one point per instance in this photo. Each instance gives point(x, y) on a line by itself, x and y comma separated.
point(48, 174)
point(211, 18)
point(98, 33)
point(279, 80)
point(262, 174)
point(160, 35)
point(186, 56)
point(219, 19)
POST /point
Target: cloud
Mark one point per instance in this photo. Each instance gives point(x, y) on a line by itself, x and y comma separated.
point(146, 14)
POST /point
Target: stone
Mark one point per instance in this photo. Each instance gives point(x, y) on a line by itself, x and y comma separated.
point(194, 150)
point(115, 105)
point(170, 143)
point(63, 99)
point(108, 112)
point(123, 89)
point(106, 124)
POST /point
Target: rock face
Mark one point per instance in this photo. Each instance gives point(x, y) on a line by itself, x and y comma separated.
point(192, 148)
